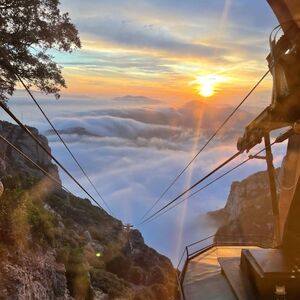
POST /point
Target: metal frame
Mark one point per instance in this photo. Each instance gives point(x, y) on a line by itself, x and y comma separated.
point(272, 185)
point(187, 255)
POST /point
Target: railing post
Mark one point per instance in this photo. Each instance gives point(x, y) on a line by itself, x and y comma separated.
point(180, 288)
point(179, 277)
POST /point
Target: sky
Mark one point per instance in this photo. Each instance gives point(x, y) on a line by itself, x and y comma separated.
point(163, 48)
point(185, 65)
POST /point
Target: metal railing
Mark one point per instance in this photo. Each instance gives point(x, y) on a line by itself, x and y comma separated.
point(197, 248)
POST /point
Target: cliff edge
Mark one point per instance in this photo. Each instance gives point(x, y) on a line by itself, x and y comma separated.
point(247, 215)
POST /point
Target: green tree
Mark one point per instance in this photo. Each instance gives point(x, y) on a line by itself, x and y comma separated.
point(28, 29)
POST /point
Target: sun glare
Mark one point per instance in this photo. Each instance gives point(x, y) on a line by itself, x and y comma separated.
point(206, 88)
point(207, 85)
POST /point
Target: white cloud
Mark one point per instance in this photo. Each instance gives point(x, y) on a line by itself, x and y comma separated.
point(108, 126)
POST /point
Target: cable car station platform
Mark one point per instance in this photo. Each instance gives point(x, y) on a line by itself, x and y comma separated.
point(204, 277)
point(240, 272)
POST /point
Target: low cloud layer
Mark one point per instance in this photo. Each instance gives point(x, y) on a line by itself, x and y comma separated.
point(133, 153)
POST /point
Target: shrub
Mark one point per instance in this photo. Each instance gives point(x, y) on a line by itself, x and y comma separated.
point(119, 265)
point(145, 294)
point(20, 227)
point(92, 259)
point(136, 275)
point(114, 247)
point(42, 224)
point(156, 276)
point(77, 273)
point(160, 291)
point(13, 221)
point(96, 233)
point(109, 283)
point(21, 215)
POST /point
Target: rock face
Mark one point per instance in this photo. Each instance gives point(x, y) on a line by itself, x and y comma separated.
point(22, 279)
point(54, 245)
point(12, 162)
point(247, 215)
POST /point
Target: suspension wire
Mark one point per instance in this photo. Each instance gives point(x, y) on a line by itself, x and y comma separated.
point(63, 142)
point(16, 74)
point(208, 184)
point(205, 145)
point(227, 161)
point(34, 163)
point(7, 110)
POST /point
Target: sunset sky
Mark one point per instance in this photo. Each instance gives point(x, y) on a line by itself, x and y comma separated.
point(166, 49)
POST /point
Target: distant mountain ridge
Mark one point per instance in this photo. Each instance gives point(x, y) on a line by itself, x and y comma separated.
point(137, 99)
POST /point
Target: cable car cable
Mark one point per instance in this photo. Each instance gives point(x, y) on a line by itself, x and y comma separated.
point(7, 110)
point(206, 144)
point(33, 162)
point(227, 161)
point(208, 184)
point(16, 74)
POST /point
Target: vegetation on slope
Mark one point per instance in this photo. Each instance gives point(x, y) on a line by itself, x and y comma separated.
point(98, 255)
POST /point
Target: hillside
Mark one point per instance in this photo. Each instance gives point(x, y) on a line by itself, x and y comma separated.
point(54, 245)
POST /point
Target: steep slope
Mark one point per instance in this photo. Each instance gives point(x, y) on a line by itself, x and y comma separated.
point(54, 245)
point(247, 215)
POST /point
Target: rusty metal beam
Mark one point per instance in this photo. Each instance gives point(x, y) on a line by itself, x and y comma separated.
point(287, 12)
point(273, 191)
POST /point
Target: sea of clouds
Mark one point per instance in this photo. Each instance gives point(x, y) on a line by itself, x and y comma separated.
point(133, 147)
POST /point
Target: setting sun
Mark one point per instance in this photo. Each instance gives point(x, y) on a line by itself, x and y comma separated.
point(206, 88)
point(207, 85)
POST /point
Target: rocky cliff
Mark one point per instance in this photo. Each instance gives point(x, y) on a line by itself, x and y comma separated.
point(247, 215)
point(13, 163)
point(54, 245)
